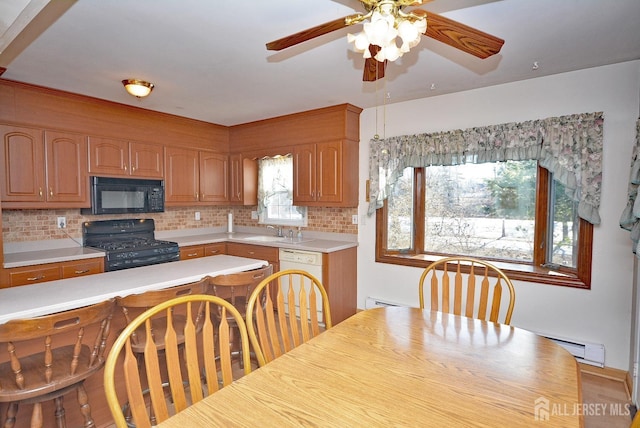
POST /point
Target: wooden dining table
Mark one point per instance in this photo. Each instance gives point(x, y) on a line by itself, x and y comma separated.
point(404, 367)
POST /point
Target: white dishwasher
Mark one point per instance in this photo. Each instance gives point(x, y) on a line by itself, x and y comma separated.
point(310, 261)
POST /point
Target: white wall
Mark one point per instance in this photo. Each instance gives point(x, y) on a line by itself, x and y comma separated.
point(600, 315)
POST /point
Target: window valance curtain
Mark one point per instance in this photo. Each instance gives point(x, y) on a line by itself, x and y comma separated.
point(630, 219)
point(568, 146)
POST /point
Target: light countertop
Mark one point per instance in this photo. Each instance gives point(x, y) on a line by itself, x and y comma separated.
point(55, 296)
point(37, 253)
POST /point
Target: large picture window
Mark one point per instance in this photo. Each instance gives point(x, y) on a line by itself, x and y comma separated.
point(488, 211)
point(524, 195)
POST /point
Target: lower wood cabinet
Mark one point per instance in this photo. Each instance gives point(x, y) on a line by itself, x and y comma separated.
point(195, 251)
point(270, 254)
point(51, 271)
point(82, 268)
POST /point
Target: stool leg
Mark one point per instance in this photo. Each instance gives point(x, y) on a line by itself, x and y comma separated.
point(36, 416)
point(12, 410)
point(85, 408)
point(59, 413)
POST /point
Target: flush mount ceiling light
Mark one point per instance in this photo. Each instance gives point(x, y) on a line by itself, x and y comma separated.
point(137, 88)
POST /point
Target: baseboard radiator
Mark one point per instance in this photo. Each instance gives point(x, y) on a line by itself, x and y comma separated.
point(587, 353)
point(584, 352)
point(374, 302)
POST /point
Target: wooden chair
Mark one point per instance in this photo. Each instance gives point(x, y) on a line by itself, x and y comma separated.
point(135, 304)
point(192, 370)
point(483, 289)
point(236, 288)
point(273, 330)
point(69, 347)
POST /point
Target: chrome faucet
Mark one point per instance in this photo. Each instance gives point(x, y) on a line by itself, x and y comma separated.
point(278, 230)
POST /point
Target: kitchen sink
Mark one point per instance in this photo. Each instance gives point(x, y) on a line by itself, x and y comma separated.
point(265, 238)
point(271, 238)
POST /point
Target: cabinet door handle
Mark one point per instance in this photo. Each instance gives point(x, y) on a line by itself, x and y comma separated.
point(251, 253)
point(133, 169)
point(40, 192)
point(126, 168)
point(192, 254)
point(215, 251)
point(35, 278)
point(80, 272)
point(51, 191)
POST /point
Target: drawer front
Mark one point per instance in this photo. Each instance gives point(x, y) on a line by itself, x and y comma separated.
point(192, 252)
point(82, 268)
point(34, 276)
point(215, 249)
point(253, 251)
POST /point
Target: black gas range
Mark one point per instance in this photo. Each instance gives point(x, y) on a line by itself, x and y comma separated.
point(128, 243)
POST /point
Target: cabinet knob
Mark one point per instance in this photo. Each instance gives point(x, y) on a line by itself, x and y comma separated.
point(51, 191)
point(40, 192)
point(126, 168)
point(133, 168)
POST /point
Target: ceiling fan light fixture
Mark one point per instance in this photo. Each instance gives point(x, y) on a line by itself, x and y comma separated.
point(138, 88)
point(386, 23)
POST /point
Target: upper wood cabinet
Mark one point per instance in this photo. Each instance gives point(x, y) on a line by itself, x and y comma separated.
point(243, 181)
point(195, 177)
point(214, 177)
point(43, 169)
point(324, 174)
point(112, 157)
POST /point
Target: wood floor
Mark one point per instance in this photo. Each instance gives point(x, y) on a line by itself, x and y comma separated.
point(605, 402)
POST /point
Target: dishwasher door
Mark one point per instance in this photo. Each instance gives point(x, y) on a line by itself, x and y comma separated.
point(309, 261)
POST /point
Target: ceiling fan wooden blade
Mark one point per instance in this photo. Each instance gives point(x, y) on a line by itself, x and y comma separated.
point(373, 69)
point(460, 36)
point(311, 33)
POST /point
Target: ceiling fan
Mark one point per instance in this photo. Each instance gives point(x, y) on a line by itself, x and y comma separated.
point(388, 21)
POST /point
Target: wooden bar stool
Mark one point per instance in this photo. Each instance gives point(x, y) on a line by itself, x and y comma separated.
point(236, 288)
point(134, 305)
point(72, 346)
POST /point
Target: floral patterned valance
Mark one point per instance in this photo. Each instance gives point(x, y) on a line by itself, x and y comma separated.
point(630, 219)
point(568, 146)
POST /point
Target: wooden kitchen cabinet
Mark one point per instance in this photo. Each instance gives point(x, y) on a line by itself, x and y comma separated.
point(191, 252)
point(43, 169)
point(324, 175)
point(196, 251)
point(82, 268)
point(33, 274)
point(52, 271)
point(215, 249)
point(111, 157)
point(243, 181)
point(195, 177)
point(214, 177)
point(271, 254)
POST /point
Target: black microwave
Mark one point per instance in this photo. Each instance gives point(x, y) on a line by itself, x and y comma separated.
point(125, 195)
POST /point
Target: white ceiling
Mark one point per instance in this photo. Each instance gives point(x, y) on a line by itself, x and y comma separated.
point(208, 59)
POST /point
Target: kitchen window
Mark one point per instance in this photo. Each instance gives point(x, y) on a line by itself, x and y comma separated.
point(512, 213)
point(275, 193)
point(524, 195)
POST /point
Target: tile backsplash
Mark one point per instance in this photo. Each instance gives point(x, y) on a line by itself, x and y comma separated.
point(39, 225)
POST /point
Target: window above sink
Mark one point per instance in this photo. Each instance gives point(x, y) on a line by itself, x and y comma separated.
point(275, 193)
